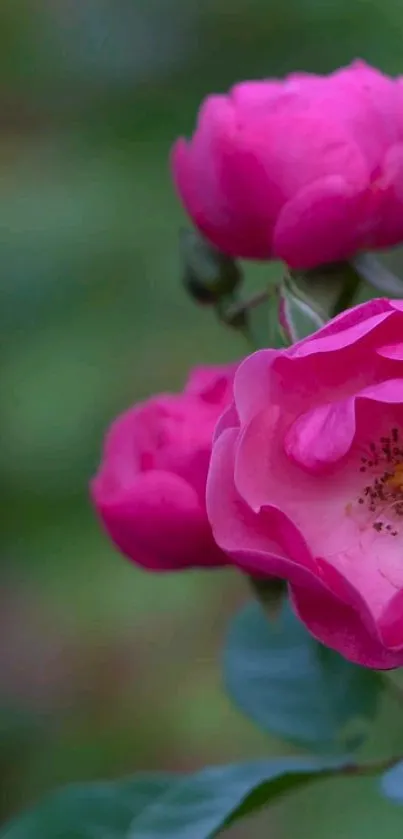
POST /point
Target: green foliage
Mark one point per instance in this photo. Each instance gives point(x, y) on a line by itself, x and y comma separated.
point(168, 806)
point(93, 317)
point(292, 686)
point(378, 276)
point(299, 316)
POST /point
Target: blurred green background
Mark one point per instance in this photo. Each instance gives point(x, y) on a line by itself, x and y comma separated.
point(105, 669)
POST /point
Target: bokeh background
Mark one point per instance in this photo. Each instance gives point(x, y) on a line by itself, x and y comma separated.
point(104, 669)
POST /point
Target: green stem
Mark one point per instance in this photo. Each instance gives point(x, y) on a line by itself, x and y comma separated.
point(235, 314)
point(241, 307)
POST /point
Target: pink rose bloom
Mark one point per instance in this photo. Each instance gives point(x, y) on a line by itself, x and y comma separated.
point(308, 170)
point(150, 488)
point(306, 479)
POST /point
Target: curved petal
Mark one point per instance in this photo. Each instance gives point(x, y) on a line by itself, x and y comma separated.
point(212, 383)
point(385, 203)
point(340, 627)
point(252, 383)
point(329, 507)
point(223, 183)
point(358, 315)
point(318, 224)
point(229, 419)
point(332, 340)
point(266, 543)
point(157, 522)
point(321, 437)
point(366, 101)
point(256, 97)
point(202, 199)
point(391, 624)
point(394, 352)
point(314, 370)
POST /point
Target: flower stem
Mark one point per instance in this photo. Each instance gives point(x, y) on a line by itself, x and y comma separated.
point(236, 313)
point(241, 307)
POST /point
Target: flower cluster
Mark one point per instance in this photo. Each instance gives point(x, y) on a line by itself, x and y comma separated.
point(289, 464)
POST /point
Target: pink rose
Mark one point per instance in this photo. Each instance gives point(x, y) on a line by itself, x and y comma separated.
point(306, 479)
point(308, 170)
point(150, 488)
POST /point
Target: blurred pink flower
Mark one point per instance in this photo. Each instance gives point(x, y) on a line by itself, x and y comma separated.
point(150, 488)
point(306, 479)
point(308, 170)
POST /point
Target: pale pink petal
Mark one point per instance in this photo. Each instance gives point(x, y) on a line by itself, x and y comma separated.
point(392, 351)
point(349, 318)
point(229, 419)
point(314, 371)
point(267, 543)
point(346, 330)
point(253, 383)
point(321, 437)
point(256, 543)
point(325, 507)
point(265, 477)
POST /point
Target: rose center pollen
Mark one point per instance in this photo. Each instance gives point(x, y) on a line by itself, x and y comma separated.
point(382, 496)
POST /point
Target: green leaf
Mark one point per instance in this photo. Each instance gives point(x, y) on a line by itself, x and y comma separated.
point(299, 315)
point(392, 783)
point(377, 275)
point(168, 806)
point(89, 811)
point(294, 687)
point(201, 805)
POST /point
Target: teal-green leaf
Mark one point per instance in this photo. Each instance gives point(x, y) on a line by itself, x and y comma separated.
point(294, 687)
point(103, 810)
point(163, 806)
point(201, 805)
point(392, 783)
point(378, 275)
point(298, 314)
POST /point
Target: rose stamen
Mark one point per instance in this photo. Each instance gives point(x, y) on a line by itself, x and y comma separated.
point(383, 496)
